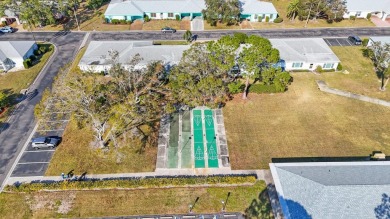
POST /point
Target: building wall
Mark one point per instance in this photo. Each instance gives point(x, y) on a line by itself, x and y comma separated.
point(162, 15)
point(306, 65)
point(255, 17)
point(363, 14)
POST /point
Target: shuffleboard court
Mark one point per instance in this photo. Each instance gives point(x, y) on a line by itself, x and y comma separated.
point(211, 139)
point(198, 139)
point(186, 161)
point(173, 147)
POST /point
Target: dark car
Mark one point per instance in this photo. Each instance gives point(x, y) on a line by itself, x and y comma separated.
point(355, 40)
point(168, 30)
point(45, 142)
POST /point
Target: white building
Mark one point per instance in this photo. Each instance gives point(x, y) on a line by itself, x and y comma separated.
point(360, 8)
point(13, 53)
point(305, 53)
point(255, 10)
point(382, 39)
point(97, 58)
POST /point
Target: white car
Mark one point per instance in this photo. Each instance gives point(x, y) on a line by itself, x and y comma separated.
point(7, 29)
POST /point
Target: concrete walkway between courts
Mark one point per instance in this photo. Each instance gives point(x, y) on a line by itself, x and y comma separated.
point(324, 87)
point(160, 173)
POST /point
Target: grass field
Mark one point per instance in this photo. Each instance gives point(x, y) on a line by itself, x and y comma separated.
point(219, 26)
point(134, 202)
point(302, 122)
point(13, 82)
point(281, 8)
point(361, 79)
point(76, 152)
point(158, 24)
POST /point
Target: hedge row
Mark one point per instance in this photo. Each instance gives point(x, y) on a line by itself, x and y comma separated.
point(155, 182)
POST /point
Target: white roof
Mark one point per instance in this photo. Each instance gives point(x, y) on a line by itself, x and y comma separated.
point(138, 7)
point(309, 50)
point(256, 7)
point(371, 5)
point(383, 39)
point(98, 52)
point(14, 49)
point(332, 190)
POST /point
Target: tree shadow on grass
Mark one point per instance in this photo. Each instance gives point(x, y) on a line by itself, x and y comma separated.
point(260, 207)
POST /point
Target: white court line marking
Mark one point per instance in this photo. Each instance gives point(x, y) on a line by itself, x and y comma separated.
point(33, 163)
point(39, 151)
point(18, 158)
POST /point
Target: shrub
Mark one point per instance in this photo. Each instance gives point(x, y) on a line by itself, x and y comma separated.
point(318, 69)
point(37, 52)
point(267, 19)
point(129, 22)
point(4, 23)
point(368, 16)
point(148, 182)
point(123, 21)
point(338, 19)
point(365, 41)
point(352, 17)
point(115, 21)
point(260, 19)
point(146, 18)
point(339, 67)
point(43, 49)
point(262, 88)
point(51, 47)
point(235, 87)
point(278, 20)
point(177, 17)
point(27, 63)
point(329, 21)
point(33, 58)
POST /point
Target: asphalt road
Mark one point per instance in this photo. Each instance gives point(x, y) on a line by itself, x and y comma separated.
point(22, 122)
point(269, 33)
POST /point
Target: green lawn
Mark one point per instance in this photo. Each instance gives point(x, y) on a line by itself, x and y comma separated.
point(101, 203)
point(13, 82)
point(361, 79)
point(302, 122)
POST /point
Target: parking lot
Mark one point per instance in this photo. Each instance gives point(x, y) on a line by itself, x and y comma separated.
point(338, 41)
point(34, 162)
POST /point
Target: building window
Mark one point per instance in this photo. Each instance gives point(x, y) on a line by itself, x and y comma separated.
point(256, 16)
point(271, 16)
point(152, 14)
point(328, 65)
point(170, 14)
point(358, 13)
point(297, 65)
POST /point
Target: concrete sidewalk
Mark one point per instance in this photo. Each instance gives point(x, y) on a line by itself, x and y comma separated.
point(324, 87)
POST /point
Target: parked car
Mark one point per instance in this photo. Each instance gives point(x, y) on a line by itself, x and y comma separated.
point(355, 40)
point(45, 142)
point(168, 30)
point(7, 29)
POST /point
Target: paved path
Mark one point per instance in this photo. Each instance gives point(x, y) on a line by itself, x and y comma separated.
point(22, 123)
point(197, 24)
point(324, 87)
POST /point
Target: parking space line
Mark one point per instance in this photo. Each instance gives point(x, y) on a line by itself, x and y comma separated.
point(338, 42)
point(33, 163)
point(327, 42)
point(348, 42)
point(39, 151)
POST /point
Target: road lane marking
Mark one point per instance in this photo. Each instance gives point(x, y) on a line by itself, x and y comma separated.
point(18, 157)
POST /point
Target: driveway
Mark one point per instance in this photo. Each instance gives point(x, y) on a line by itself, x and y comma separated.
point(197, 24)
point(22, 123)
point(379, 22)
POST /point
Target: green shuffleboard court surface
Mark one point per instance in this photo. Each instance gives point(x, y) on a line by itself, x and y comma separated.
point(198, 139)
point(173, 146)
point(211, 139)
point(186, 161)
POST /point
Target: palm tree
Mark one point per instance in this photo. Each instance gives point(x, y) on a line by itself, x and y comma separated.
point(293, 8)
